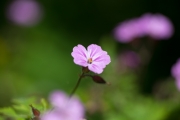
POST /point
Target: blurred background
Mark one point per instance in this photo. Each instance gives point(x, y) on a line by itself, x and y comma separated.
point(37, 38)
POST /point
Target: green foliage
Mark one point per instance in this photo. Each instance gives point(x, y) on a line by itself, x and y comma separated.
point(21, 110)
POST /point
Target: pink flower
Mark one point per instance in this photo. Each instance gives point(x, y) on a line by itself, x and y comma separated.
point(94, 57)
point(128, 30)
point(157, 26)
point(24, 12)
point(64, 108)
point(175, 72)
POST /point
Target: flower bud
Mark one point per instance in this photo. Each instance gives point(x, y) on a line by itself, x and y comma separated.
point(98, 79)
point(35, 111)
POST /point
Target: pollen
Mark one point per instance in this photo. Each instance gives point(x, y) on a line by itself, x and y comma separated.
point(90, 60)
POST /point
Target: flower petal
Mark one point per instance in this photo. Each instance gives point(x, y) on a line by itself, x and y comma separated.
point(76, 109)
point(97, 54)
point(51, 115)
point(80, 55)
point(58, 99)
point(81, 62)
point(103, 59)
point(64, 108)
point(96, 68)
point(93, 49)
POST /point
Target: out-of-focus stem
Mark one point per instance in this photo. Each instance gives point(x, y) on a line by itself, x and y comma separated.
point(77, 84)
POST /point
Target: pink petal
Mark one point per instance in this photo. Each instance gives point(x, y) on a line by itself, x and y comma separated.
point(81, 62)
point(105, 59)
point(124, 32)
point(96, 68)
point(102, 57)
point(51, 115)
point(58, 99)
point(99, 54)
point(99, 57)
point(64, 108)
point(160, 27)
point(93, 49)
point(80, 55)
point(75, 109)
point(175, 70)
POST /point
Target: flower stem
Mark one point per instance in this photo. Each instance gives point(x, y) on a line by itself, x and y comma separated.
point(77, 84)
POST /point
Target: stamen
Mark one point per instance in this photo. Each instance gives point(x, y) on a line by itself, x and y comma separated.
point(90, 60)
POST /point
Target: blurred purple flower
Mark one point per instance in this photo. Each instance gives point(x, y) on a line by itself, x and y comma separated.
point(126, 31)
point(175, 72)
point(94, 57)
point(159, 27)
point(24, 12)
point(64, 108)
point(130, 59)
point(156, 26)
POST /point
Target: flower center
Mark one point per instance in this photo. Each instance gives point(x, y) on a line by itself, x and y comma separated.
point(90, 60)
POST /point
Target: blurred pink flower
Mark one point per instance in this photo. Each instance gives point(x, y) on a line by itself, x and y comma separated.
point(156, 26)
point(175, 72)
point(94, 57)
point(64, 108)
point(24, 12)
point(126, 31)
point(159, 27)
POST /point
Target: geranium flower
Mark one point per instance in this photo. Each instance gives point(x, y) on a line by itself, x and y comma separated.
point(156, 26)
point(64, 108)
point(94, 57)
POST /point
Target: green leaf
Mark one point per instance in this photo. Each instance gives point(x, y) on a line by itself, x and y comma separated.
point(7, 111)
point(44, 104)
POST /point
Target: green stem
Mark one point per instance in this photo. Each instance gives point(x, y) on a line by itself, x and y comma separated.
point(77, 84)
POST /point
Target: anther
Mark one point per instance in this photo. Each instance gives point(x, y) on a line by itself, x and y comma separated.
point(89, 60)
